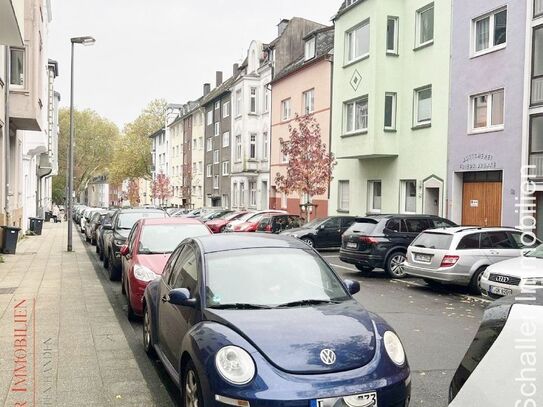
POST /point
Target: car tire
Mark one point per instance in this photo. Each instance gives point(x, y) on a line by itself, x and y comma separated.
point(364, 269)
point(475, 283)
point(308, 241)
point(221, 230)
point(87, 238)
point(100, 253)
point(113, 274)
point(148, 344)
point(191, 391)
point(393, 265)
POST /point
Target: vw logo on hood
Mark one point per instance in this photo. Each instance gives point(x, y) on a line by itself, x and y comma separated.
point(328, 356)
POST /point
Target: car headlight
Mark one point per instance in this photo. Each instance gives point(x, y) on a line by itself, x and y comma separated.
point(486, 274)
point(533, 281)
point(142, 273)
point(394, 348)
point(235, 365)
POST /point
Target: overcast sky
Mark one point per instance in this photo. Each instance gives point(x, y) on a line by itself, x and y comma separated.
point(147, 49)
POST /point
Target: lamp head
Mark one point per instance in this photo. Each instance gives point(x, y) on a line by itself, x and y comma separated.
point(86, 41)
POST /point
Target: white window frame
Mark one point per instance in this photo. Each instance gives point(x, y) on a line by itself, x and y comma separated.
point(310, 48)
point(209, 170)
point(491, 33)
point(235, 195)
point(239, 150)
point(343, 202)
point(489, 110)
point(216, 157)
point(215, 182)
point(346, 107)
point(217, 128)
point(13, 85)
point(394, 50)
point(371, 196)
point(309, 101)
point(217, 105)
point(226, 110)
point(286, 109)
point(225, 168)
point(253, 100)
point(242, 194)
point(252, 146)
point(350, 43)
point(239, 97)
point(394, 97)
point(266, 103)
point(416, 95)
point(265, 145)
point(209, 118)
point(226, 139)
point(209, 144)
point(418, 23)
point(252, 194)
point(403, 194)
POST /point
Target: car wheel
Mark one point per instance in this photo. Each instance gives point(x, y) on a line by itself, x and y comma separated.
point(87, 238)
point(364, 269)
point(100, 253)
point(475, 283)
point(308, 241)
point(111, 269)
point(147, 333)
point(221, 230)
point(394, 265)
point(191, 390)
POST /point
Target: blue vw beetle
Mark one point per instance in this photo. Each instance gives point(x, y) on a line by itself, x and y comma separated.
point(245, 320)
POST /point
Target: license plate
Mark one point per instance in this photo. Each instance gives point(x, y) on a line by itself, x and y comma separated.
point(426, 258)
point(352, 245)
point(358, 400)
point(500, 290)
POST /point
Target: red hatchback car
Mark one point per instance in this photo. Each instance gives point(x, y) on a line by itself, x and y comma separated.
point(149, 245)
point(218, 225)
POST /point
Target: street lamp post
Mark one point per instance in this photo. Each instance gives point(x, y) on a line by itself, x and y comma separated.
point(70, 201)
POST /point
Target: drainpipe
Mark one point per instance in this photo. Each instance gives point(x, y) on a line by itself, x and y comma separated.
point(7, 160)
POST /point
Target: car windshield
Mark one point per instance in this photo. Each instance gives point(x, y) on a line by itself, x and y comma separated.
point(537, 252)
point(269, 277)
point(245, 217)
point(157, 239)
point(128, 219)
point(429, 240)
point(365, 226)
point(315, 222)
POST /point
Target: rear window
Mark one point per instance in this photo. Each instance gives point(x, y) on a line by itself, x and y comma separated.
point(429, 240)
point(363, 226)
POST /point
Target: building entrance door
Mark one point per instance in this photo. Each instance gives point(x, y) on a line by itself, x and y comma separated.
point(482, 199)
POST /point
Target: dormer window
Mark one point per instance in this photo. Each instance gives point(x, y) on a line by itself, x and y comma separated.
point(310, 47)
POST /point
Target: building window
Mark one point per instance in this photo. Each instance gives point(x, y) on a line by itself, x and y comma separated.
point(252, 194)
point(266, 100)
point(537, 67)
point(358, 42)
point(225, 202)
point(536, 144)
point(538, 8)
point(226, 139)
point(225, 168)
point(265, 146)
point(216, 157)
point(217, 128)
point(242, 194)
point(392, 35)
point(488, 110)
point(17, 73)
point(309, 101)
point(253, 101)
point(390, 111)
point(343, 195)
point(356, 116)
point(194, 144)
point(226, 110)
point(425, 26)
point(252, 147)
point(285, 109)
point(209, 169)
point(310, 47)
point(209, 144)
point(423, 106)
point(409, 195)
point(235, 193)
point(217, 105)
point(238, 102)
point(490, 32)
point(215, 182)
point(238, 147)
point(200, 167)
point(284, 157)
point(194, 168)
point(374, 196)
point(209, 118)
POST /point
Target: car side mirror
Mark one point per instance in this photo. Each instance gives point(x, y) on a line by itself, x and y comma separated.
point(181, 296)
point(107, 226)
point(352, 286)
point(124, 250)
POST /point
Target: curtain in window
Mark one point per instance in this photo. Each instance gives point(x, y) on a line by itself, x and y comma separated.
point(425, 105)
point(480, 111)
point(500, 27)
point(427, 25)
point(497, 108)
point(344, 195)
point(376, 195)
point(482, 32)
point(361, 115)
point(350, 117)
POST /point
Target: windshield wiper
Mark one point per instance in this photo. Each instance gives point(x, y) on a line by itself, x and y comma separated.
point(306, 302)
point(239, 305)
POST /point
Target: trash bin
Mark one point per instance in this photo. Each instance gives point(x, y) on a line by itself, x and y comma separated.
point(10, 238)
point(36, 225)
point(48, 216)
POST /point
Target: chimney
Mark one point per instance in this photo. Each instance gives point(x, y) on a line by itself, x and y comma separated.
point(207, 88)
point(235, 69)
point(281, 26)
point(218, 78)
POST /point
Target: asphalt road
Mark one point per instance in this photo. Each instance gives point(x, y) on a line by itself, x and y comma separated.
point(435, 325)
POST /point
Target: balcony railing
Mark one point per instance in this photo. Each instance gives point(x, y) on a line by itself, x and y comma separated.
point(536, 159)
point(537, 89)
point(538, 8)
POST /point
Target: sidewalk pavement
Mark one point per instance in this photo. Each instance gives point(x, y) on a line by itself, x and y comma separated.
point(64, 339)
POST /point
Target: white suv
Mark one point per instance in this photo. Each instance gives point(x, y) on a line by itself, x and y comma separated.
point(460, 255)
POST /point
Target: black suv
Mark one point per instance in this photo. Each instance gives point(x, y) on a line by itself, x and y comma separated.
point(323, 233)
point(381, 241)
point(120, 227)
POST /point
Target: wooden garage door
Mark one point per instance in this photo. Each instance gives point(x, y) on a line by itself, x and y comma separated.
point(482, 204)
